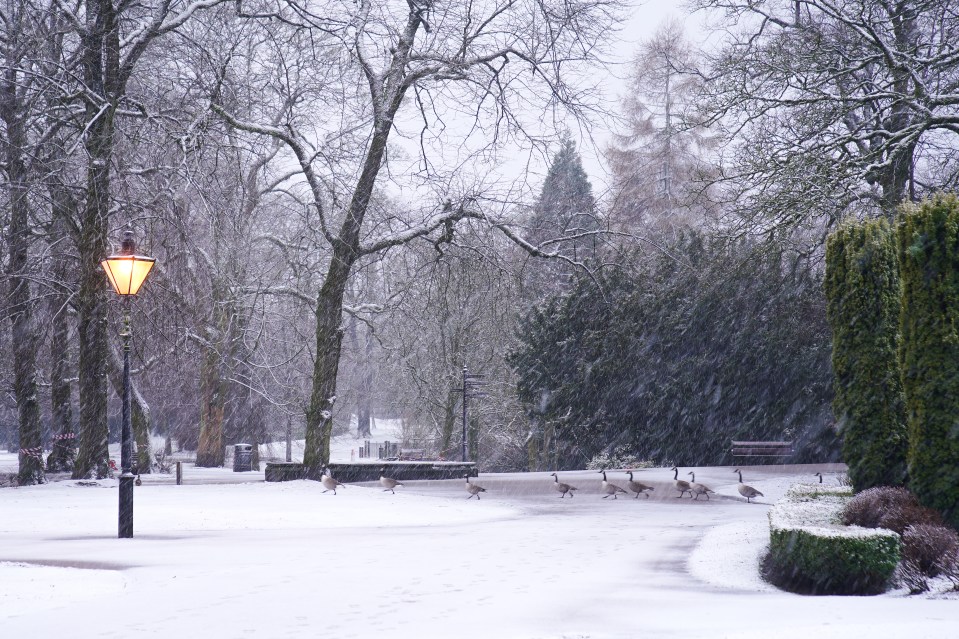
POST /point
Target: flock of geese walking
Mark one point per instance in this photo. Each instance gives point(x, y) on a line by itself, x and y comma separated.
point(607, 488)
point(694, 488)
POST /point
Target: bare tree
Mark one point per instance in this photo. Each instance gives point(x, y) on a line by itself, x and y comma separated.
point(112, 39)
point(453, 309)
point(834, 107)
point(497, 57)
point(660, 162)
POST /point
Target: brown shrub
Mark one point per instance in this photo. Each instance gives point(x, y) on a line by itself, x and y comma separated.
point(901, 516)
point(868, 507)
point(932, 549)
point(909, 575)
point(893, 508)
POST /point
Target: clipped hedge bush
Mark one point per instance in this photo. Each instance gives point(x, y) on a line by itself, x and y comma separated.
point(810, 551)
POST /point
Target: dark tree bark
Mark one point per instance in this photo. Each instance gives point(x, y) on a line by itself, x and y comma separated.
point(447, 447)
point(210, 451)
point(19, 302)
point(63, 453)
point(364, 381)
point(329, 303)
point(101, 73)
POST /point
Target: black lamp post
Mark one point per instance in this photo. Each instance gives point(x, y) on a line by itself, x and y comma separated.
point(126, 272)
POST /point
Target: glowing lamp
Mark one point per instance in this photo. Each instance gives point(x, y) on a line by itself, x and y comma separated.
point(127, 270)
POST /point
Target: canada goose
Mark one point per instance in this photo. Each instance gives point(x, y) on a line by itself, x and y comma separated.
point(638, 486)
point(818, 475)
point(562, 488)
point(746, 491)
point(138, 482)
point(473, 489)
point(328, 482)
point(610, 489)
point(681, 484)
point(698, 489)
point(388, 483)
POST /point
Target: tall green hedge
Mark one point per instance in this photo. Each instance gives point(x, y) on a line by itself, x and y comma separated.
point(928, 245)
point(863, 301)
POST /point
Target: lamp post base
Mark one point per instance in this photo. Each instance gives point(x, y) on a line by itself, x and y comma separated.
point(126, 505)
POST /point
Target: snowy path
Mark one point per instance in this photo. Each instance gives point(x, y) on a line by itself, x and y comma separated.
point(284, 560)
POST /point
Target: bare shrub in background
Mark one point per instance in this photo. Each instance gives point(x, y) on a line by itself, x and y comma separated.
point(928, 550)
point(868, 507)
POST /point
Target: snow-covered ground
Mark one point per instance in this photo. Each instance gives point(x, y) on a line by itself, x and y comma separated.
point(286, 560)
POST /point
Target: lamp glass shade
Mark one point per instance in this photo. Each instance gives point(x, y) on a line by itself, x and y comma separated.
point(127, 272)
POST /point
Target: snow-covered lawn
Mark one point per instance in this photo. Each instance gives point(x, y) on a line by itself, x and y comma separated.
point(284, 560)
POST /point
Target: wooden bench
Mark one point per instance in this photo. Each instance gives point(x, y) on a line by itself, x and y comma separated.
point(762, 449)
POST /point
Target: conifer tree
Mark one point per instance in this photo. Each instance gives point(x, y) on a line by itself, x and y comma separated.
point(862, 289)
point(929, 353)
point(564, 219)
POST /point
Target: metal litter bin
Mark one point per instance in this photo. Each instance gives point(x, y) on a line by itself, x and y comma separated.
point(242, 458)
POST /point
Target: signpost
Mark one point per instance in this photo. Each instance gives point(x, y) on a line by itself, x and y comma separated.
point(472, 387)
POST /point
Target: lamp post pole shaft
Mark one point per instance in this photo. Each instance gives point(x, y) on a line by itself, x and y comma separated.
point(464, 413)
point(126, 437)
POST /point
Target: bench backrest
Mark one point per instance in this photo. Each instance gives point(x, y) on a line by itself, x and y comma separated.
point(762, 449)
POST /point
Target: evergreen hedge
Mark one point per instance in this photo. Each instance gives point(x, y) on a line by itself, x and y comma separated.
point(674, 356)
point(863, 302)
point(928, 244)
point(810, 551)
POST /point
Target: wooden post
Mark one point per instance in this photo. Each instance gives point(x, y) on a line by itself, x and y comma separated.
point(179, 473)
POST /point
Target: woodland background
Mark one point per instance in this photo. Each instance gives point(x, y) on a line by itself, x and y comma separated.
point(320, 184)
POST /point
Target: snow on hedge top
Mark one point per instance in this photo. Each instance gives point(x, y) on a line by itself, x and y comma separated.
point(818, 509)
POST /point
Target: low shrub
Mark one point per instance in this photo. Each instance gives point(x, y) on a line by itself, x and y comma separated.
point(928, 550)
point(931, 548)
point(889, 507)
point(811, 551)
point(621, 457)
point(901, 516)
point(867, 508)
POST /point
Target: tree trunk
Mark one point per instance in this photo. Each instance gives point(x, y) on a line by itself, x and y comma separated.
point(215, 386)
point(365, 399)
point(63, 454)
point(447, 448)
point(329, 339)
point(897, 174)
point(210, 452)
point(364, 385)
point(101, 74)
point(329, 309)
point(19, 304)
